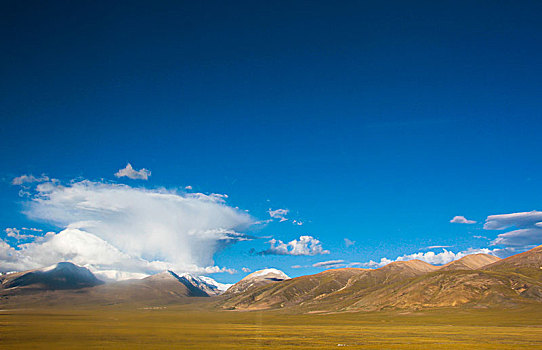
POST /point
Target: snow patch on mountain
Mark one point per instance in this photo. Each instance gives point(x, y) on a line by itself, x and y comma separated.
point(270, 271)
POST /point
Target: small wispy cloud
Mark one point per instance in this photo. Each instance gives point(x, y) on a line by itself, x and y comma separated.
point(329, 263)
point(438, 246)
point(279, 214)
point(23, 179)
point(131, 173)
point(348, 242)
point(16, 234)
point(461, 220)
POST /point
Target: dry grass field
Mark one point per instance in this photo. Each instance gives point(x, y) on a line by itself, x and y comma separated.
point(185, 327)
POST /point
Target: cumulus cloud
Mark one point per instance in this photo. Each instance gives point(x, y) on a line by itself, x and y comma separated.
point(245, 269)
point(113, 227)
point(528, 227)
point(433, 258)
point(278, 214)
point(305, 245)
point(8, 258)
point(330, 263)
point(24, 179)
point(188, 188)
point(131, 173)
point(461, 220)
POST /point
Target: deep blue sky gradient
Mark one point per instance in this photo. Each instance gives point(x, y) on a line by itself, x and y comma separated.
point(376, 121)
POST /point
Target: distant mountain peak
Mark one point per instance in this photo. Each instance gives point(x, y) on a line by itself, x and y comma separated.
point(257, 279)
point(63, 275)
point(268, 273)
point(415, 264)
point(470, 262)
point(198, 285)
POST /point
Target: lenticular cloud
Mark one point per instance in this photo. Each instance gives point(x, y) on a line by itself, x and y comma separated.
point(119, 228)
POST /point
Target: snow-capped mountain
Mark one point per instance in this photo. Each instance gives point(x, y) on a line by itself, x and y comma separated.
point(206, 284)
point(196, 285)
point(257, 279)
point(214, 285)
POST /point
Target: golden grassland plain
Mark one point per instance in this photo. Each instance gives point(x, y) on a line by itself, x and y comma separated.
point(184, 327)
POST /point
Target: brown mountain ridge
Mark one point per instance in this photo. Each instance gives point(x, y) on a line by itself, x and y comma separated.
point(479, 280)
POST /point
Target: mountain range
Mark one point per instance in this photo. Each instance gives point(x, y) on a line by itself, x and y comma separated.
point(474, 281)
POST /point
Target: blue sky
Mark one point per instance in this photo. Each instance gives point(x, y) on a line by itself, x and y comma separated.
point(373, 122)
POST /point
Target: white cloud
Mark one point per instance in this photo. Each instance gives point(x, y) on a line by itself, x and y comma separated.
point(297, 222)
point(8, 257)
point(245, 269)
point(31, 229)
point(129, 172)
point(305, 245)
point(330, 263)
point(520, 238)
point(439, 246)
point(188, 187)
point(23, 193)
point(528, 231)
point(520, 220)
point(16, 233)
point(433, 258)
point(461, 220)
point(132, 230)
point(23, 179)
point(348, 242)
point(278, 214)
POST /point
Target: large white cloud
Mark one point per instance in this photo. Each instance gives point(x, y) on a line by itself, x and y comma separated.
point(528, 227)
point(134, 230)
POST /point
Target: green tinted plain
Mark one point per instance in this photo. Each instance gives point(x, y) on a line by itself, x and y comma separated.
point(184, 327)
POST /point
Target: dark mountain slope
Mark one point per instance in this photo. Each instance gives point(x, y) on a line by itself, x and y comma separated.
point(64, 275)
